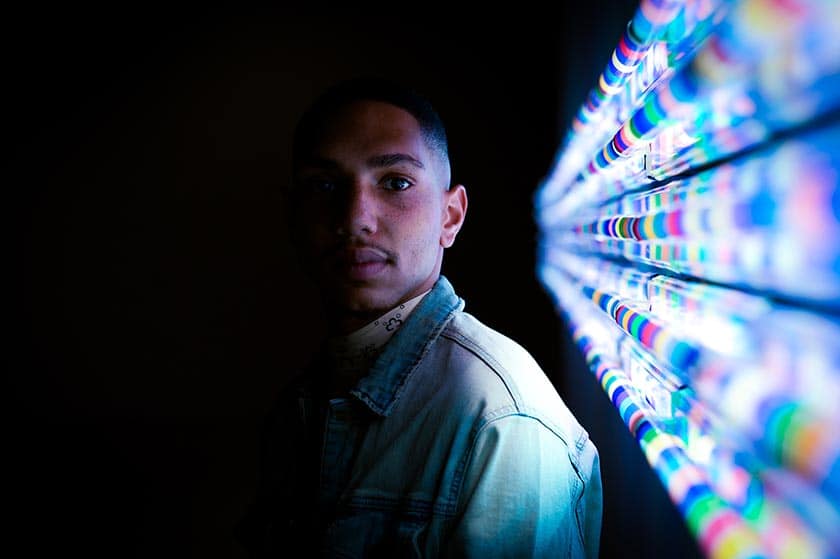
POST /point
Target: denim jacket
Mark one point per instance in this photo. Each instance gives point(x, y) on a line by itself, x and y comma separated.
point(456, 444)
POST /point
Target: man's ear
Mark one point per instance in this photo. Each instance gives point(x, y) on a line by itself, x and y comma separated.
point(454, 212)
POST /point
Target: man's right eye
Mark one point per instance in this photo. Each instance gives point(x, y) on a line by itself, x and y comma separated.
point(319, 186)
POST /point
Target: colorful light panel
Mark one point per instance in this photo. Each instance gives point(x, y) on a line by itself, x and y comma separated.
point(690, 235)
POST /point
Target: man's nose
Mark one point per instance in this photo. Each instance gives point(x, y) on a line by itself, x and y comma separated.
point(357, 211)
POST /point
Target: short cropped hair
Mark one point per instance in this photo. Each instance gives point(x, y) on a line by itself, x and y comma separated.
point(311, 124)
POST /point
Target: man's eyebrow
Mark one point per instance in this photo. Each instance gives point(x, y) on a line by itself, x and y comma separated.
point(384, 160)
point(389, 159)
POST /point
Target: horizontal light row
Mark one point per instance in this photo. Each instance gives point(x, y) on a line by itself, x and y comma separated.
point(760, 222)
point(714, 339)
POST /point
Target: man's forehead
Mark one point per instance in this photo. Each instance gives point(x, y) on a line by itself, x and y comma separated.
point(374, 119)
point(371, 129)
point(372, 109)
point(366, 129)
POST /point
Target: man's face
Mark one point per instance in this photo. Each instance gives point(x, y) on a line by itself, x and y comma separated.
point(372, 214)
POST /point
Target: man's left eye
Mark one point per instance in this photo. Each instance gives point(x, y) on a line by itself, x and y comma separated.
point(397, 183)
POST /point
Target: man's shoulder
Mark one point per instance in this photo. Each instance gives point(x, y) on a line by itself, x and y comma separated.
point(486, 365)
point(487, 342)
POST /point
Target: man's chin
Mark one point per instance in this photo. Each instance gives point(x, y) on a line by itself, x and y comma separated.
point(363, 299)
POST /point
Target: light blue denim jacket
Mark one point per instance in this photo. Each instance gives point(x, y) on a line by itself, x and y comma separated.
point(455, 444)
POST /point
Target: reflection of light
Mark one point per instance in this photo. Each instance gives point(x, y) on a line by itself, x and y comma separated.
point(701, 450)
point(670, 140)
point(718, 333)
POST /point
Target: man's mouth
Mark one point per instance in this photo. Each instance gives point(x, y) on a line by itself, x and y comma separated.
point(362, 263)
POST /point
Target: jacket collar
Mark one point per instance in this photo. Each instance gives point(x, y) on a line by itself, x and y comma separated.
point(381, 388)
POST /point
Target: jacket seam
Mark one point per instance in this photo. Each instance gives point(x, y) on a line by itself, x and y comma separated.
point(475, 349)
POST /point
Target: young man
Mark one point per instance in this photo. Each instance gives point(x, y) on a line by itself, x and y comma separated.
point(418, 431)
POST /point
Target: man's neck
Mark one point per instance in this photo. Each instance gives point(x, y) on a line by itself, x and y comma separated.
point(344, 322)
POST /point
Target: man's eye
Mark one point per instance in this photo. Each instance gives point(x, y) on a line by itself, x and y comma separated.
point(323, 186)
point(397, 183)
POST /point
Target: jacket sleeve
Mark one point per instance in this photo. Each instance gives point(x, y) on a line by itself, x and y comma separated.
point(526, 492)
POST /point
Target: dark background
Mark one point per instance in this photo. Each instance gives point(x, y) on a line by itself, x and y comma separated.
point(157, 306)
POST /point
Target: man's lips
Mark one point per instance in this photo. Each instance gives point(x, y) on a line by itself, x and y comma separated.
point(361, 263)
point(361, 255)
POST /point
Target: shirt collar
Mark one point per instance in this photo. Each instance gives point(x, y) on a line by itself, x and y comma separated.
point(352, 355)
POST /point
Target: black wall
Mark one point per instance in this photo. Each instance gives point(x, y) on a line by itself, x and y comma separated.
point(156, 302)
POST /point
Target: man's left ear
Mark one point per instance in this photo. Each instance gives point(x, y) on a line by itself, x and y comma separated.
point(454, 212)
